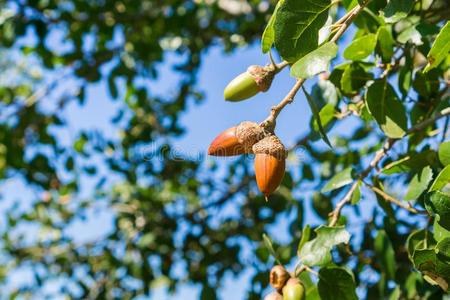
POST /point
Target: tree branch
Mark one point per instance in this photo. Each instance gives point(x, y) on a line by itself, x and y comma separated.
point(394, 200)
point(377, 158)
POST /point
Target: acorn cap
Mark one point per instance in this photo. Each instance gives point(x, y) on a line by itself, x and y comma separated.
point(278, 277)
point(263, 76)
point(270, 145)
point(248, 134)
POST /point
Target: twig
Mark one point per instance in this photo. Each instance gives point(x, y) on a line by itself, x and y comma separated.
point(269, 122)
point(393, 200)
point(346, 23)
point(334, 215)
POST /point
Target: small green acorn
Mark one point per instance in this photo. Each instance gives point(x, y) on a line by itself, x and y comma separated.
point(293, 290)
point(246, 85)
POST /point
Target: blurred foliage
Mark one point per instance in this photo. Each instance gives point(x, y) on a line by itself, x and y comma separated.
point(166, 229)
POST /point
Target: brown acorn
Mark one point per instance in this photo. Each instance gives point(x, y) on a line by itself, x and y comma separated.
point(274, 296)
point(270, 164)
point(278, 277)
point(236, 140)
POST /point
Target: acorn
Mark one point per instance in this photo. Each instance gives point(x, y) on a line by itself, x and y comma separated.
point(237, 140)
point(270, 164)
point(274, 296)
point(293, 290)
point(278, 277)
point(246, 85)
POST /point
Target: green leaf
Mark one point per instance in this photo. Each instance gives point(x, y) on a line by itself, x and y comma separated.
point(419, 239)
point(419, 183)
point(315, 62)
point(361, 47)
point(388, 111)
point(316, 116)
point(356, 196)
point(396, 10)
point(441, 228)
point(438, 203)
point(444, 153)
point(339, 180)
point(385, 43)
point(317, 251)
point(413, 161)
point(353, 78)
point(435, 268)
point(269, 246)
point(297, 25)
point(268, 36)
point(439, 50)
point(327, 116)
point(386, 255)
point(442, 179)
point(306, 233)
point(336, 284)
point(443, 249)
point(395, 295)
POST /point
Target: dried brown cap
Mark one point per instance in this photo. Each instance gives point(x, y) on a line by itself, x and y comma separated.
point(263, 76)
point(278, 277)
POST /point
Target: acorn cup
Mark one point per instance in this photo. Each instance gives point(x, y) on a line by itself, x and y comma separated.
point(278, 277)
point(236, 140)
point(246, 85)
point(270, 164)
point(293, 290)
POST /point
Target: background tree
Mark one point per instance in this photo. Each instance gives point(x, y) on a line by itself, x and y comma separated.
point(392, 85)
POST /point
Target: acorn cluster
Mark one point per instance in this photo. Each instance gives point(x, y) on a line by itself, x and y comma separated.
point(286, 287)
point(250, 137)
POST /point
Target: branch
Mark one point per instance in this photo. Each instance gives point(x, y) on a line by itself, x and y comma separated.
point(377, 158)
point(393, 200)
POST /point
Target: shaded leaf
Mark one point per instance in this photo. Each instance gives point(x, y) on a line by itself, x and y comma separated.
point(316, 116)
point(388, 111)
point(386, 255)
point(385, 43)
point(336, 284)
point(353, 78)
point(396, 10)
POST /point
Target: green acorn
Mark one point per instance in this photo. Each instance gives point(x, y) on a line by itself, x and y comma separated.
point(256, 79)
point(293, 290)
